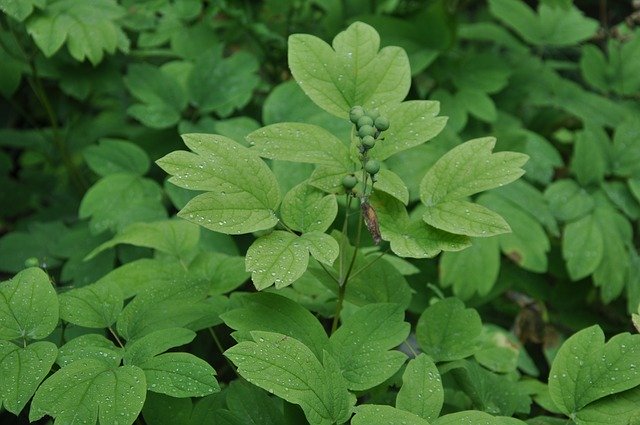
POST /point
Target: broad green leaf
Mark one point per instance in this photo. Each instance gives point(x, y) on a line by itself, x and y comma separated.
point(120, 199)
point(180, 375)
point(329, 179)
point(20, 9)
point(472, 270)
point(447, 331)
point(278, 258)
point(375, 414)
point(412, 237)
point(90, 346)
point(586, 369)
point(626, 149)
point(289, 369)
point(567, 200)
point(307, 209)
point(221, 85)
point(242, 193)
point(269, 312)
point(590, 156)
point(89, 29)
point(390, 183)
point(362, 345)
point(620, 195)
point(322, 247)
point(488, 76)
point(500, 350)
point(463, 171)
point(611, 274)
point(28, 306)
point(253, 405)
point(113, 156)
point(411, 124)
point(174, 237)
point(92, 306)
point(89, 390)
point(476, 417)
point(160, 93)
point(154, 343)
point(39, 242)
point(421, 392)
point(22, 370)
point(351, 73)
point(582, 247)
point(10, 73)
point(225, 272)
point(526, 197)
point(617, 408)
point(300, 142)
point(478, 104)
point(527, 245)
point(488, 391)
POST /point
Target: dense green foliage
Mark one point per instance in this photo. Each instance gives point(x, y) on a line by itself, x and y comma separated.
point(323, 212)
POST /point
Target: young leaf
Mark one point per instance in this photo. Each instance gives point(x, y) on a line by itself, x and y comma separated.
point(28, 306)
point(274, 313)
point(410, 237)
point(361, 345)
point(22, 370)
point(375, 414)
point(307, 209)
point(90, 346)
point(421, 392)
point(89, 390)
point(463, 171)
point(287, 368)
point(241, 191)
point(300, 142)
point(154, 343)
point(89, 29)
point(180, 375)
point(175, 237)
point(352, 73)
point(586, 369)
point(582, 247)
point(92, 306)
point(114, 156)
point(447, 331)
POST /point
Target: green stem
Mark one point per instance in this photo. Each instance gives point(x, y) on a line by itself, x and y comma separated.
point(115, 336)
point(366, 266)
point(216, 341)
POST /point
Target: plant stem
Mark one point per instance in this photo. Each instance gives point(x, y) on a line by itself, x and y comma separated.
point(216, 341)
point(115, 336)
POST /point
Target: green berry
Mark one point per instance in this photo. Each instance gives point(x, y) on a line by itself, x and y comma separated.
point(32, 262)
point(372, 166)
point(382, 123)
point(364, 120)
point(366, 130)
point(374, 114)
point(355, 114)
point(349, 181)
point(368, 142)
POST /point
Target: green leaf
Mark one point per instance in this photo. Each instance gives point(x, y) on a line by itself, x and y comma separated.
point(92, 306)
point(289, 369)
point(611, 274)
point(253, 405)
point(112, 156)
point(10, 73)
point(412, 237)
point(222, 85)
point(472, 270)
point(362, 345)
point(390, 183)
point(278, 258)
point(590, 156)
point(89, 390)
point(567, 200)
point(20, 10)
point(89, 29)
point(322, 247)
point(269, 312)
point(39, 242)
point(476, 417)
point(28, 306)
point(307, 209)
point(478, 104)
point(118, 200)
point(242, 192)
point(412, 123)
point(421, 392)
point(463, 171)
point(447, 331)
point(180, 375)
point(352, 73)
point(582, 247)
point(140, 350)
point(500, 350)
point(174, 237)
point(225, 272)
point(626, 150)
point(299, 142)
point(375, 413)
point(22, 370)
point(586, 369)
point(90, 346)
point(618, 408)
point(488, 76)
